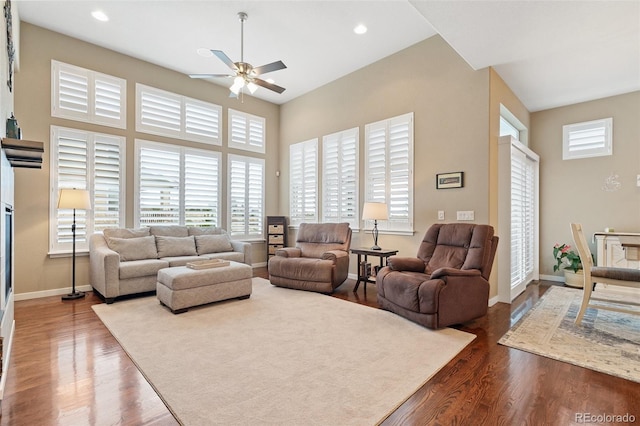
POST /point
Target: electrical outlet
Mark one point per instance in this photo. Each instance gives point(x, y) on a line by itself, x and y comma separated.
point(465, 215)
point(638, 180)
point(440, 214)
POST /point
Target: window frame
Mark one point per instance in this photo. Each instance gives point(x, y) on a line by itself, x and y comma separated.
point(183, 102)
point(342, 138)
point(91, 115)
point(88, 217)
point(246, 236)
point(604, 124)
point(300, 186)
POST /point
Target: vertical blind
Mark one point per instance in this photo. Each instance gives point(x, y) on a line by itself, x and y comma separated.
point(91, 161)
point(303, 184)
point(246, 196)
point(340, 177)
point(177, 185)
point(389, 169)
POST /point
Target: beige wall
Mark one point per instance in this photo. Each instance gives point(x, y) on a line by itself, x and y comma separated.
point(35, 270)
point(450, 102)
point(572, 190)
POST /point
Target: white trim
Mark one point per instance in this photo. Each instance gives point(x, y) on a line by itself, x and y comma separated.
point(587, 142)
point(54, 292)
point(244, 143)
point(494, 300)
point(6, 357)
point(556, 278)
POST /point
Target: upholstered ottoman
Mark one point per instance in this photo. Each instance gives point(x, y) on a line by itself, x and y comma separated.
point(180, 288)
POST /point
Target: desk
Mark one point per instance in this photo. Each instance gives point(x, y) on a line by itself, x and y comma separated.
point(363, 274)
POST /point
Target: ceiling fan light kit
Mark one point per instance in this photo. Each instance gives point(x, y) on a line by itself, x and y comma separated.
point(246, 75)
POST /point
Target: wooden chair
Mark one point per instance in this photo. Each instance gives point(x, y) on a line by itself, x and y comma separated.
point(614, 276)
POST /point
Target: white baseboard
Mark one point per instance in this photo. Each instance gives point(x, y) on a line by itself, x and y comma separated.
point(556, 278)
point(47, 293)
point(259, 265)
point(493, 300)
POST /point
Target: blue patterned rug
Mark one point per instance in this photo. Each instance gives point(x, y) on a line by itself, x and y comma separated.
point(606, 341)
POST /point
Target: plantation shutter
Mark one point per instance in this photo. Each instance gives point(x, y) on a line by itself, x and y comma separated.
point(202, 189)
point(164, 113)
point(88, 96)
point(523, 218)
point(246, 196)
point(389, 170)
point(91, 161)
point(158, 186)
point(246, 131)
point(589, 139)
point(303, 185)
point(340, 178)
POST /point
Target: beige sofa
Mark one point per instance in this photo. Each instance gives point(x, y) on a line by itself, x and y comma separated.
point(126, 261)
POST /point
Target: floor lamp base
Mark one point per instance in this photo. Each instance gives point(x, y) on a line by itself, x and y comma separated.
point(73, 296)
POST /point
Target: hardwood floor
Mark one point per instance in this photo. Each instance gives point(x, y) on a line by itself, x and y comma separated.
point(67, 369)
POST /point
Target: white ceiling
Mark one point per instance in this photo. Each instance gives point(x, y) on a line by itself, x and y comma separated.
point(550, 53)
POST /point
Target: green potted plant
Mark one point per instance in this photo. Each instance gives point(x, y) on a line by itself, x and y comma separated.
point(568, 260)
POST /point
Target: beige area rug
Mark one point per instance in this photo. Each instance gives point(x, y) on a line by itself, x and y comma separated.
point(606, 341)
point(281, 357)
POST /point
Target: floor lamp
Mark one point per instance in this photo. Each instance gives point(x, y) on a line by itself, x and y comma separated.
point(76, 199)
point(375, 212)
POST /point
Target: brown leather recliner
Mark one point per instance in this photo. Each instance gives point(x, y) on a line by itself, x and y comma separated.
point(447, 283)
point(319, 261)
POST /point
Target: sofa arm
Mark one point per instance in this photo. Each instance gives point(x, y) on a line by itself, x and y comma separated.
point(244, 248)
point(453, 272)
point(289, 252)
point(410, 264)
point(104, 267)
point(334, 255)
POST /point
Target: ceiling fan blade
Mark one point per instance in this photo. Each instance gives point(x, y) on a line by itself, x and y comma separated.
point(274, 66)
point(211, 75)
point(268, 85)
point(224, 58)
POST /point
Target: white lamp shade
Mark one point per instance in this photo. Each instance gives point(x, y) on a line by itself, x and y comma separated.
point(74, 199)
point(377, 211)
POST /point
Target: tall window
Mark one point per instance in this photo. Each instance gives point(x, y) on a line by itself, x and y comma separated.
point(303, 184)
point(389, 170)
point(176, 185)
point(91, 161)
point(246, 197)
point(163, 113)
point(340, 177)
point(89, 96)
point(246, 131)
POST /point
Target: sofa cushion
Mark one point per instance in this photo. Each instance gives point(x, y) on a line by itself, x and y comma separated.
point(170, 231)
point(205, 230)
point(141, 268)
point(228, 255)
point(175, 246)
point(125, 232)
point(134, 248)
point(213, 243)
point(180, 260)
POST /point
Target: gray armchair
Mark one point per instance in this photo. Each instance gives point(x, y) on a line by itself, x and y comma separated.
point(447, 282)
point(319, 261)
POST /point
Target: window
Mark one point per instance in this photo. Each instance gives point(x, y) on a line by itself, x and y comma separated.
point(340, 178)
point(389, 170)
point(588, 139)
point(176, 185)
point(246, 197)
point(88, 96)
point(167, 114)
point(92, 161)
point(303, 184)
point(246, 131)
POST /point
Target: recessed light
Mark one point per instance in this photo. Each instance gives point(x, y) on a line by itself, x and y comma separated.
point(360, 29)
point(203, 51)
point(100, 15)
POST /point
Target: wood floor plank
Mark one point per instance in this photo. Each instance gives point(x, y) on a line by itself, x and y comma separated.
point(67, 369)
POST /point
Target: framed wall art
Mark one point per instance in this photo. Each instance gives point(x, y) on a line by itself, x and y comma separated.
point(449, 180)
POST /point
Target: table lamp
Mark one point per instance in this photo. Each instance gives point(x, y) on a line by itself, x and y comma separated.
point(375, 212)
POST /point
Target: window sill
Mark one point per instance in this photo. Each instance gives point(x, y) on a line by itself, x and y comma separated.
point(67, 253)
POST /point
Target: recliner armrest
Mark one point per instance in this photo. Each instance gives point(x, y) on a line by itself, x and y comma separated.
point(334, 255)
point(453, 272)
point(410, 264)
point(289, 252)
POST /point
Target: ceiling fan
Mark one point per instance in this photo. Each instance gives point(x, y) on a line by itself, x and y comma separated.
point(245, 73)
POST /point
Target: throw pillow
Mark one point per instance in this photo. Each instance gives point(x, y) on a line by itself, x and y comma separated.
point(213, 243)
point(175, 246)
point(205, 230)
point(134, 248)
point(169, 231)
point(125, 233)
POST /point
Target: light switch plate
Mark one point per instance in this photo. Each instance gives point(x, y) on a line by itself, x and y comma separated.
point(440, 214)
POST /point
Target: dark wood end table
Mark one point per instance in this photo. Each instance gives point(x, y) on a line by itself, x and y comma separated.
point(363, 274)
